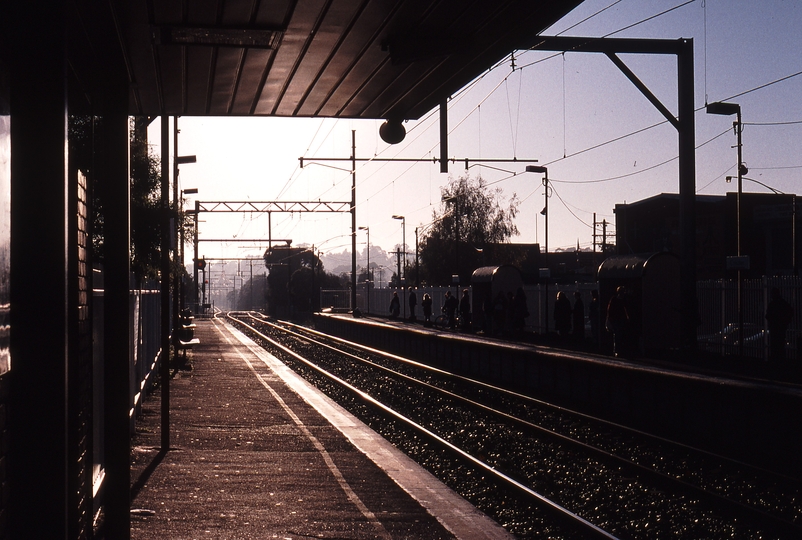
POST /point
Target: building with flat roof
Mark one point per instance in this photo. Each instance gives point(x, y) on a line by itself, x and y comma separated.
point(768, 231)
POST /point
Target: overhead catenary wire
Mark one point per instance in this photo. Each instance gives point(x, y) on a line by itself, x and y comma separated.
point(640, 171)
point(504, 81)
point(422, 125)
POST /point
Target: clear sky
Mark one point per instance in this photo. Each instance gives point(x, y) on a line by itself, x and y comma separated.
point(575, 112)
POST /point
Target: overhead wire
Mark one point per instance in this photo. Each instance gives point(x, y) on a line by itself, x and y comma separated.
point(731, 167)
point(602, 10)
point(647, 19)
point(602, 180)
point(465, 90)
point(790, 123)
point(291, 180)
point(554, 191)
point(504, 81)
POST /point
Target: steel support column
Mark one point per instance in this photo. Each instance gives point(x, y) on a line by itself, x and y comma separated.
point(164, 357)
point(38, 451)
point(115, 184)
point(353, 219)
point(684, 122)
point(687, 195)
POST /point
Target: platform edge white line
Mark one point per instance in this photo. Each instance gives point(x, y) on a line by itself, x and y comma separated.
point(456, 514)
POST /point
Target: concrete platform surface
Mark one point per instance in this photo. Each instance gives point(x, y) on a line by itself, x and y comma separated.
point(257, 453)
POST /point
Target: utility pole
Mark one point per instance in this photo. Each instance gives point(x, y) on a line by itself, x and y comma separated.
point(398, 263)
point(353, 219)
point(604, 236)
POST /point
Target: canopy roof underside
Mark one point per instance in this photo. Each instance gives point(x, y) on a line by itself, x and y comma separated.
point(393, 59)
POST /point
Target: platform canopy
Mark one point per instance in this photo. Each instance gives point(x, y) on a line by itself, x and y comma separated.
point(391, 59)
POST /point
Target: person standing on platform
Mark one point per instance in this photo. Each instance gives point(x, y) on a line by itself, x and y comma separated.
point(426, 303)
point(413, 302)
point(450, 307)
point(617, 322)
point(778, 316)
point(465, 309)
point(395, 306)
point(562, 314)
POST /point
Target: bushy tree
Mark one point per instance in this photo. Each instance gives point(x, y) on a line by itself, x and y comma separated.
point(145, 175)
point(145, 210)
point(473, 218)
point(253, 293)
point(294, 279)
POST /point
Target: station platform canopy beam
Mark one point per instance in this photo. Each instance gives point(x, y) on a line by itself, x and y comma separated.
point(274, 206)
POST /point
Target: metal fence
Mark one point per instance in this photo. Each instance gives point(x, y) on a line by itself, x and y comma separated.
point(719, 322)
point(718, 310)
point(144, 348)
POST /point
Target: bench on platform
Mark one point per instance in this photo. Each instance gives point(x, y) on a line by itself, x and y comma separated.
point(184, 345)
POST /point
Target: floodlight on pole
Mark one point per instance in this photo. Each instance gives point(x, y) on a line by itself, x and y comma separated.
point(182, 240)
point(403, 246)
point(367, 230)
point(545, 172)
point(728, 109)
point(403, 241)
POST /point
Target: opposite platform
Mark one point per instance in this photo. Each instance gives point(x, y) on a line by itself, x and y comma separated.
point(257, 453)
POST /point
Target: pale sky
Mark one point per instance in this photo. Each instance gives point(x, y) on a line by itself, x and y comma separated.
point(576, 113)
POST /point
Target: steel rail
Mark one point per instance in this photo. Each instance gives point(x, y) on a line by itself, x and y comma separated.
point(557, 408)
point(546, 503)
point(757, 515)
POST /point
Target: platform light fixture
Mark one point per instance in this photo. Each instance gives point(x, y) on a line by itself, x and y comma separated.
point(728, 109)
point(367, 230)
point(403, 246)
point(539, 169)
point(403, 241)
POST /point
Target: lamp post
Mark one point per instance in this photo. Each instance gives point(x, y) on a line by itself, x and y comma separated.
point(545, 172)
point(188, 191)
point(728, 109)
point(403, 243)
point(403, 246)
point(178, 252)
point(177, 280)
point(367, 230)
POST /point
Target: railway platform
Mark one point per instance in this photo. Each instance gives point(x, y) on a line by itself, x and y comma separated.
point(257, 453)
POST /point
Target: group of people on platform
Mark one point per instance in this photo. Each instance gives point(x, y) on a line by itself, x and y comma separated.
point(507, 312)
point(504, 314)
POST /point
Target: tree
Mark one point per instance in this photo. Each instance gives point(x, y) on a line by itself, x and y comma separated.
point(253, 293)
point(293, 279)
point(145, 210)
point(473, 219)
point(145, 175)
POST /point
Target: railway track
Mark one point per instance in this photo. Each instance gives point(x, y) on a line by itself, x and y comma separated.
point(509, 454)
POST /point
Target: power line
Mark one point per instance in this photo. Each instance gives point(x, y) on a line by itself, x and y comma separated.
point(772, 123)
point(669, 10)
